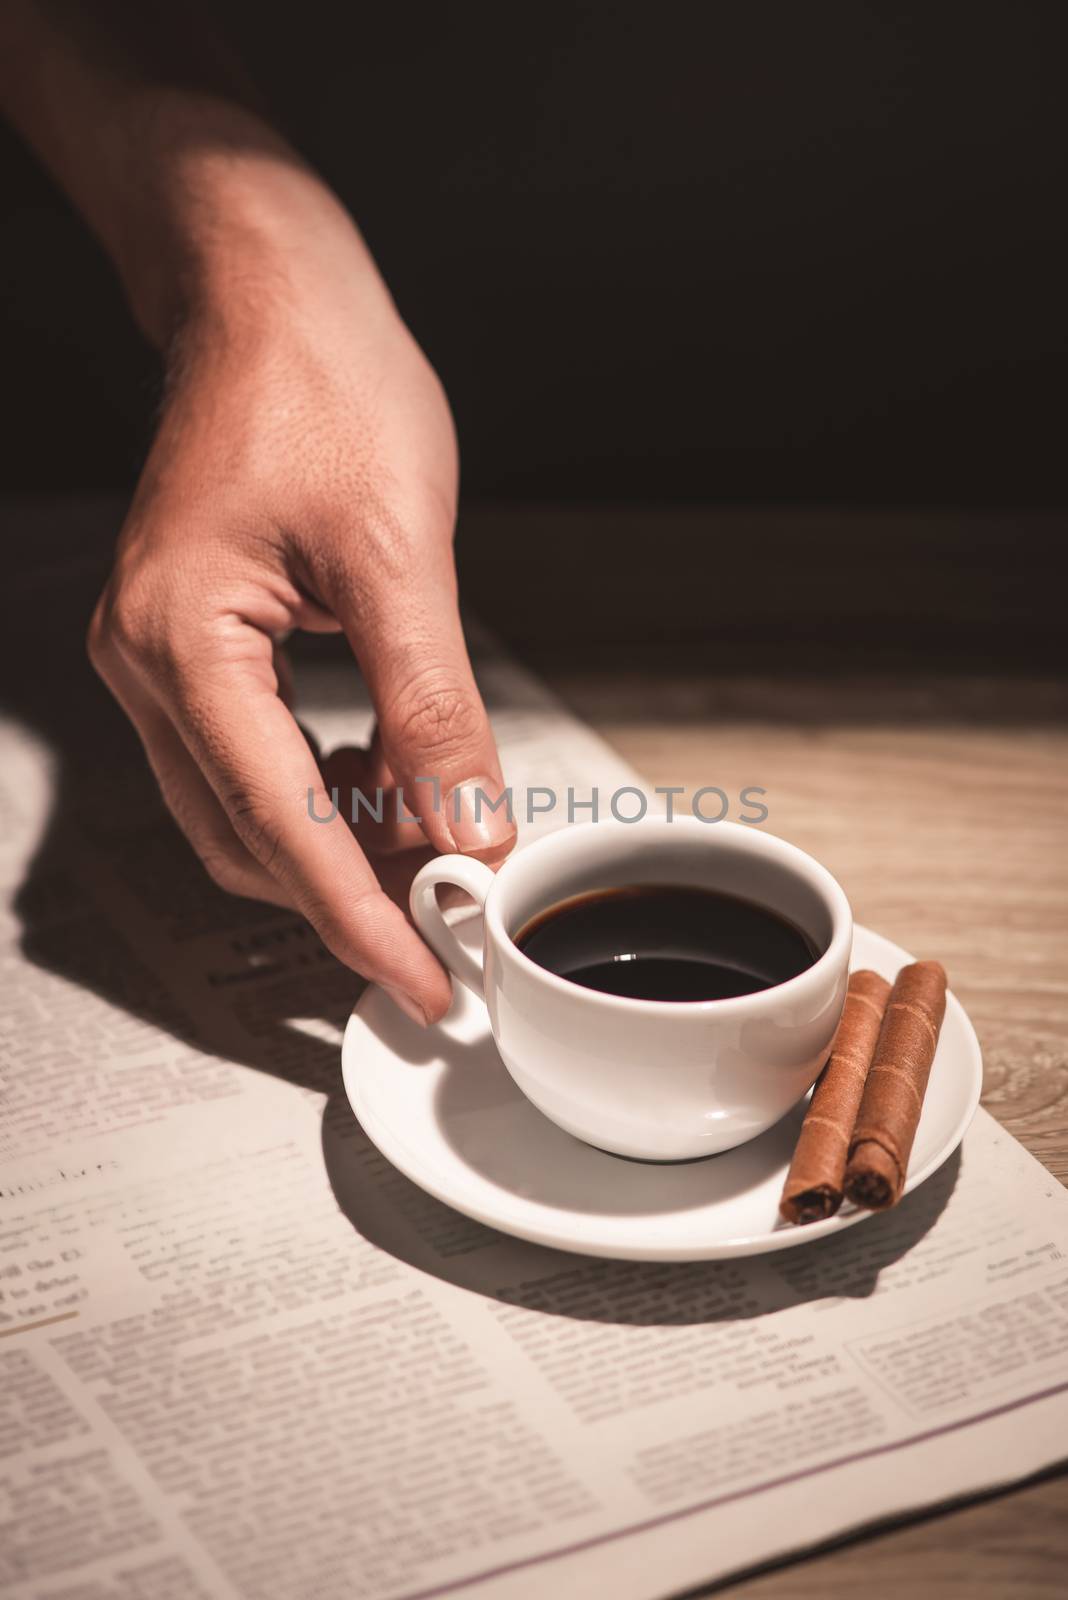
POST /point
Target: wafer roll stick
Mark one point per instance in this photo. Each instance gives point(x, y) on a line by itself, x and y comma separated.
point(814, 1184)
point(893, 1095)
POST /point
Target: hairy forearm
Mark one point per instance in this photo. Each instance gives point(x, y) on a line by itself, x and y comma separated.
point(196, 198)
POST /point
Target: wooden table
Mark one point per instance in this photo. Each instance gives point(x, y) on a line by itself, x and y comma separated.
point(949, 836)
point(892, 680)
point(887, 680)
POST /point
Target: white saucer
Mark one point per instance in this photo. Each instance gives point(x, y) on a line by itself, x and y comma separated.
point(441, 1106)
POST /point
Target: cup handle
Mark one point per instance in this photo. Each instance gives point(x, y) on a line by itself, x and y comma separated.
point(475, 879)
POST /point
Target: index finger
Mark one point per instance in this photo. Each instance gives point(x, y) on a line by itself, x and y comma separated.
point(251, 751)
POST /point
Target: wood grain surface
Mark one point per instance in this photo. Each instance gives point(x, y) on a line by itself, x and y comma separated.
point(941, 805)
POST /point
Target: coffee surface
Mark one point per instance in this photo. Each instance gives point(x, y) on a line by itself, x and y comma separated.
point(659, 942)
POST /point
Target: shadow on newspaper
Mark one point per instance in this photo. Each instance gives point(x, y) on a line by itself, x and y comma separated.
point(115, 902)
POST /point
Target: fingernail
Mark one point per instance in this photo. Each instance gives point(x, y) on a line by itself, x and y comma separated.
point(474, 826)
point(405, 1003)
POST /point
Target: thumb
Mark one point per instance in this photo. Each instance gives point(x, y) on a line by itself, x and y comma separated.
point(435, 735)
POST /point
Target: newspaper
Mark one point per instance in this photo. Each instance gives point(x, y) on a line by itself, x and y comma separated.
point(242, 1358)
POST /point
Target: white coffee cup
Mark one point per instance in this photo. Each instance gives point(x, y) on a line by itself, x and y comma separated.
point(659, 1080)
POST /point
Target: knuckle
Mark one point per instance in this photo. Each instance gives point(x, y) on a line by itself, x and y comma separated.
point(438, 714)
point(116, 628)
point(129, 621)
point(355, 933)
point(130, 626)
point(254, 825)
point(147, 617)
point(97, 640)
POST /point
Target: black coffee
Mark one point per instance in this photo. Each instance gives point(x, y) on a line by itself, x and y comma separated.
point(656, 942)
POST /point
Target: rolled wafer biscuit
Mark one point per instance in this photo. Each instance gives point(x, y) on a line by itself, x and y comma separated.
point(893, 1095)
point(814, 1184)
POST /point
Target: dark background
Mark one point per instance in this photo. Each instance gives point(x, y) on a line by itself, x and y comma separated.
point(762, 253)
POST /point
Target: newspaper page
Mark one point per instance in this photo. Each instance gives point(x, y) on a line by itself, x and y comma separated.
point(242, 1358)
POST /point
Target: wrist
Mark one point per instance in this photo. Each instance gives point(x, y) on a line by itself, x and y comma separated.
point(239, 232)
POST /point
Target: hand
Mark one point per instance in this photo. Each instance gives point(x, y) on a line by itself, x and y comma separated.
point(304, 476)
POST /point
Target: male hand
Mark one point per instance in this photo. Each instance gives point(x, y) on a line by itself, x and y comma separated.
point(304, 476)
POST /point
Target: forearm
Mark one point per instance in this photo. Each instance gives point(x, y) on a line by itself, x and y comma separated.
point(196, 198)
